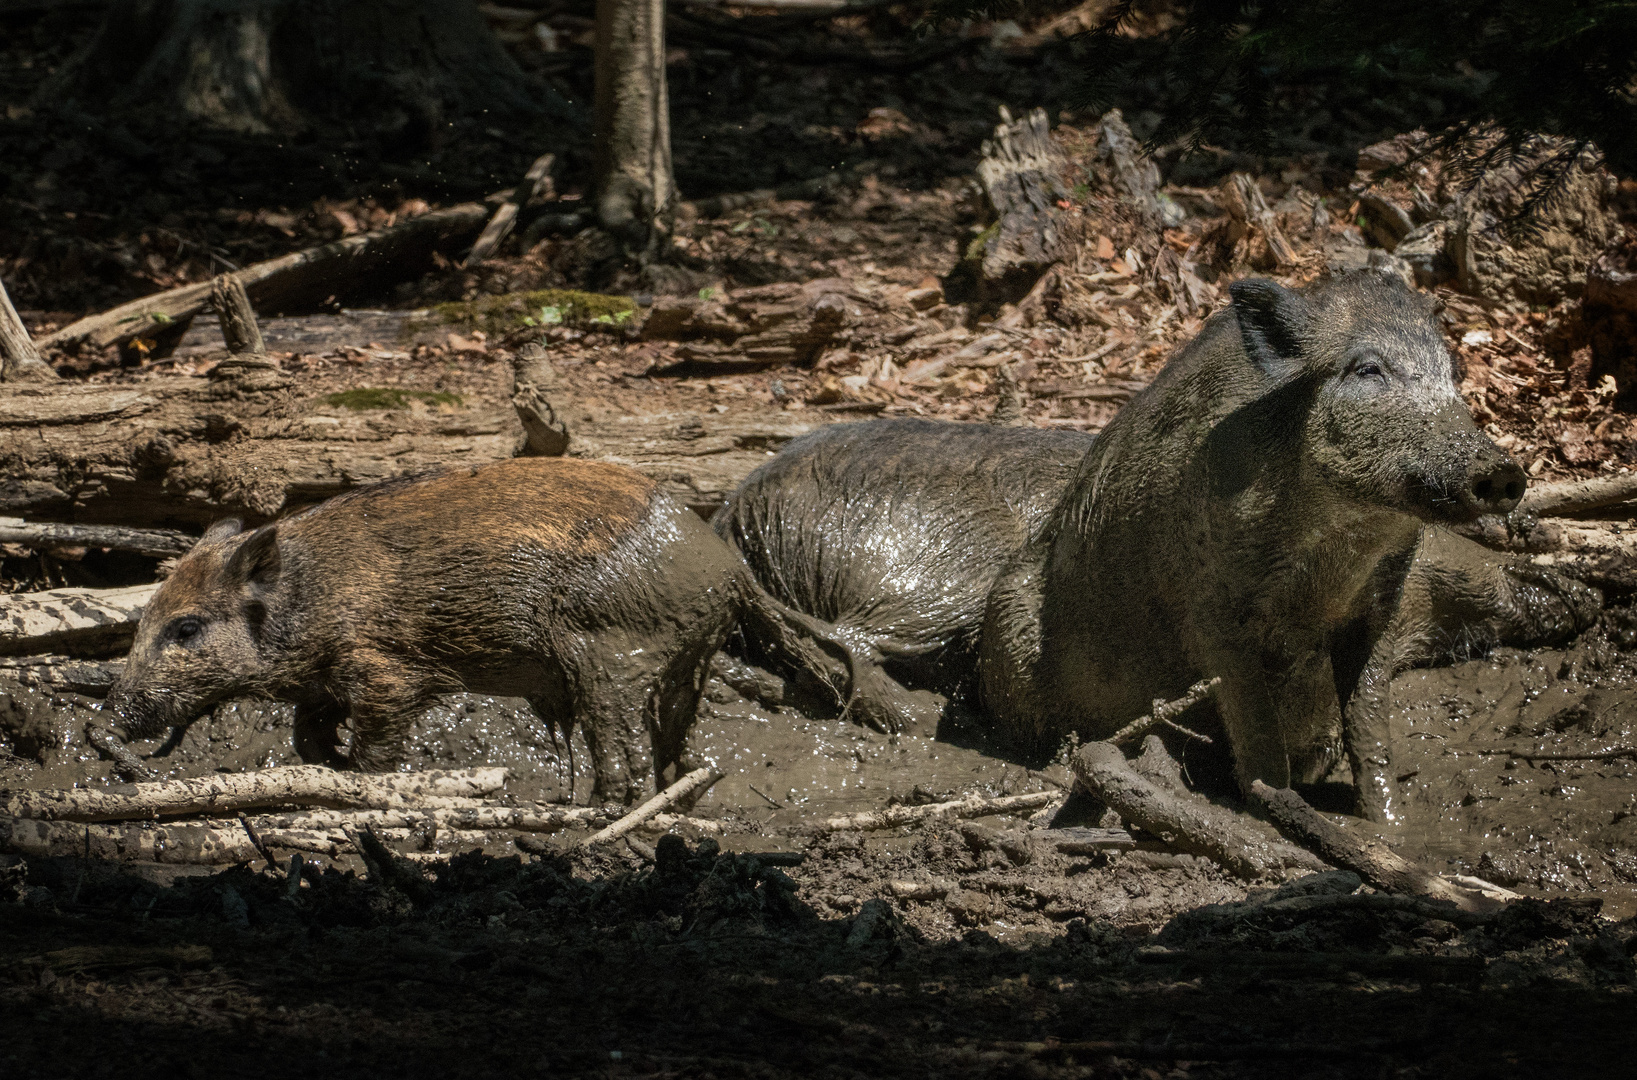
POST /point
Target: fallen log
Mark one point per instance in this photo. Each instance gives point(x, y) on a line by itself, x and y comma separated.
point(973, 807)
point(85, 622)
point(301, 276)
point(62, 673)
point(1190, 825)
point(186, 843)
point(19, 359)
point(1370, 859)
point(300, 785)
point(43, 536)
point(1579, 496)
point(698, 780)
point(531, 817)
point(180, 448)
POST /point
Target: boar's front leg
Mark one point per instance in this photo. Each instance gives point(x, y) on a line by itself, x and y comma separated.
point(317, 732)
point(1280, 710)
point(383, 697)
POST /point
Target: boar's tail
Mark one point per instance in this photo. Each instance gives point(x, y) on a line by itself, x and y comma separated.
point(839, 659)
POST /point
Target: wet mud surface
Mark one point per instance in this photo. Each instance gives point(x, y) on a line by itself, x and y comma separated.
point(961, 948)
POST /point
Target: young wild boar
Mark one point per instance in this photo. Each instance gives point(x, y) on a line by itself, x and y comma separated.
point(574, 584)
point(1259, 513)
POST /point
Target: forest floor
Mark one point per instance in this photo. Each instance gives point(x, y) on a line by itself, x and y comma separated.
point(764, 949)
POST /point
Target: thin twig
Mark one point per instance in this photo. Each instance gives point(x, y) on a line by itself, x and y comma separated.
point(697, 780)
point(1600, 755)
point(776, 804)
point(256, 842)
point(1163, 711)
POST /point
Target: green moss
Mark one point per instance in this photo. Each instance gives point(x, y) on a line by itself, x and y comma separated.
point(362, 398)
point(975, 250)
point(543, 307)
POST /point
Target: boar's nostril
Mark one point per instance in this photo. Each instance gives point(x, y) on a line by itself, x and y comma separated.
point(1482, 490)
point(1495, 490)
point(1514, 489)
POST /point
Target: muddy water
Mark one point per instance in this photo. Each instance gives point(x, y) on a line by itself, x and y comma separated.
point(1470, 804)
point(1546, 827)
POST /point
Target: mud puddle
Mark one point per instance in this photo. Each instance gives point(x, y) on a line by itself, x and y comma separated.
point(1471, 803)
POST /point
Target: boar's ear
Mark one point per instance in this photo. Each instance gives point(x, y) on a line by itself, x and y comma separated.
point(256, 562)
point(221, 530)
point(1272, 323)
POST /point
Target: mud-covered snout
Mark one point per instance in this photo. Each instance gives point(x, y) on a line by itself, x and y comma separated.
point(1494, 485)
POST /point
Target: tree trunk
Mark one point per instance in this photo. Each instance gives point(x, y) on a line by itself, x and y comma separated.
point(636, 194)
point(265, 66)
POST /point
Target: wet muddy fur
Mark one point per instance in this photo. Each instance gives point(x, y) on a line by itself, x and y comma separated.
point(576, 585)
point(1256, 514)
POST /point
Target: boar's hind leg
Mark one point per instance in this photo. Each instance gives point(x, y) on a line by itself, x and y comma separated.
point(619, 713)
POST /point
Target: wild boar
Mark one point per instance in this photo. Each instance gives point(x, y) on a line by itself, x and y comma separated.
point(574, 584)
point(1265, 512)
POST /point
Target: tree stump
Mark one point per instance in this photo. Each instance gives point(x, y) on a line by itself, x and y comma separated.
point(1022, 173)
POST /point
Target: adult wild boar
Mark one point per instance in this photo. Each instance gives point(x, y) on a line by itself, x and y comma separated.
point(1261, 513)
point(574, 584)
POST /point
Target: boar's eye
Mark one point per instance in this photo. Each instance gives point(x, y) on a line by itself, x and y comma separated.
point(185, 629)
point(1368, 366)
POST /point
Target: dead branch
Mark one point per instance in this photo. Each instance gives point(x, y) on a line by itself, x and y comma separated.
point(1164, 711)
point(1084, 841)
point(973, 807)
point(300, 785)
point(1371, 860)
point(522, 817)
point(129, 765)
point(311, 273)
point(84, 621)
point(698, 780)
point(19, 359)
point(536, 183)
point(43, 536)
point(240, 330)
point(1579, 496)
point(1190, 825)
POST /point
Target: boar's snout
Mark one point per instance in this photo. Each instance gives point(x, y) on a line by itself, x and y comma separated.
point(1494, 485)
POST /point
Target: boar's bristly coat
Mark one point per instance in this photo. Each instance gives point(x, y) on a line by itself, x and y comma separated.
point(574, 584)
point(1265, 512)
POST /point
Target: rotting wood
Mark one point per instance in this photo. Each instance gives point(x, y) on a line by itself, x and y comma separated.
point(301, 276)
point(974, 807)
point(1370, 859)
point(19, 359)
point(534, 817)
point(301, 785)
point(1253, 233)
point(44, 536)
point(696, 781)
point(85, 622)
point(536, 184)
point(750, 329)
point(1164, 712)
point(1190, 825)
point(1021, 172)
point(247, 366)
